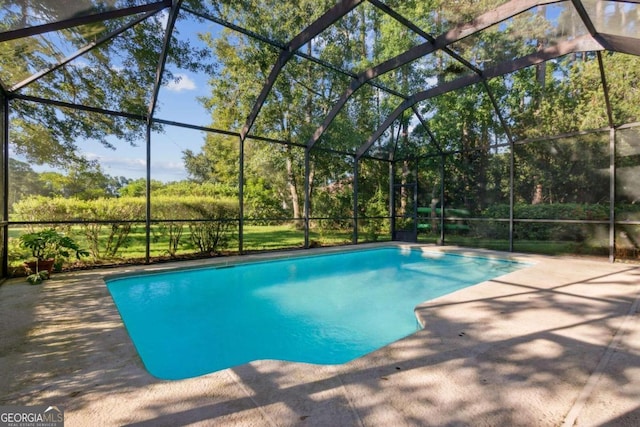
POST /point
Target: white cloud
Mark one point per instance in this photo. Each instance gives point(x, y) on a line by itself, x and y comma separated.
point(162, 170)
point(184, 83)
point(119, 163)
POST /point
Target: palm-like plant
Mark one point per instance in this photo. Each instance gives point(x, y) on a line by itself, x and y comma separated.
point(51, 247)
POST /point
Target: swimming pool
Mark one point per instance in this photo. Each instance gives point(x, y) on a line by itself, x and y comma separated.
point(323, 309)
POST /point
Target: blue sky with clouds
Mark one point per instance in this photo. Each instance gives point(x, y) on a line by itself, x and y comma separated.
point(178, 102)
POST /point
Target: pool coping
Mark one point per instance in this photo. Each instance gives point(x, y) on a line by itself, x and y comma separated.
point(227, 261)
point(555, 343)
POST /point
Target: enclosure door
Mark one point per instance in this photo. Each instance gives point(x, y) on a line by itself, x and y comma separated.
point(404, 205)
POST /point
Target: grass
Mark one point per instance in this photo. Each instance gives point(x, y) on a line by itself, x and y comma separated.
point(256, 238)
point(283, 236)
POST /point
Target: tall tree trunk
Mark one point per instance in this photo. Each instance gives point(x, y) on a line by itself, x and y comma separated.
point(482, 164)
point(308, 115)
point(405, 169)
point(312, 172)
point(292, 185)
point(537, 195)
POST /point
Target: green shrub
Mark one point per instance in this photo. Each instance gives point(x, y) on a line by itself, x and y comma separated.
point(373, 213)
point(261, 204)
point(215, 233)
point(545, 230)
point(40, 208)
point(207, 236)
point(628, 212)
point(105, 239)
point(117, 233)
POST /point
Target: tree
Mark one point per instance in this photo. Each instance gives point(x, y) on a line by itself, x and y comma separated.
point(82, 182)
point(138, 187)
point(121, 78)
point(559, 96)
point(23, 181)
point(218, 162)
point(300, 97)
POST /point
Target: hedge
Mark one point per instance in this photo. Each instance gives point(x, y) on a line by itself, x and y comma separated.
point(547, 231)
point(211, 221)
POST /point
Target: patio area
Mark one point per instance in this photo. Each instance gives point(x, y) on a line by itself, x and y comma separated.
point(557, 343)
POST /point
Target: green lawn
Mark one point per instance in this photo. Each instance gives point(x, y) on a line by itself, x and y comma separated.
point(274, 237)
point(256, 238)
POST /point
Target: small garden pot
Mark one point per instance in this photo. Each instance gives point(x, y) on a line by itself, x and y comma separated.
point(43, 265)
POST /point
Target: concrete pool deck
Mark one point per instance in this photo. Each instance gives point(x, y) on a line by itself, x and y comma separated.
point(557, 343)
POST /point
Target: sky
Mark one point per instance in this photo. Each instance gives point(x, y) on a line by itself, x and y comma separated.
point(177, 102)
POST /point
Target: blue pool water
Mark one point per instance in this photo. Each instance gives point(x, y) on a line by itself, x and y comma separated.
point(325, 309)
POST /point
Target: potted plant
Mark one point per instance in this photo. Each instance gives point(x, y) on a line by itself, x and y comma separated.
point(49, 248)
